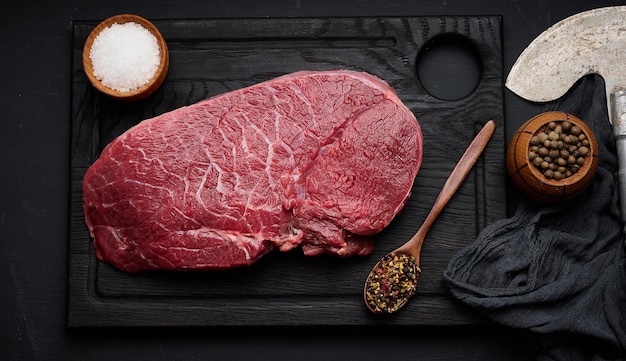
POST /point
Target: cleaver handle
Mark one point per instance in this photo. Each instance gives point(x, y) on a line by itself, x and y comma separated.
point(618, 119)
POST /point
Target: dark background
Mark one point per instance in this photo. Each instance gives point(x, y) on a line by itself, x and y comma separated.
point(35, 85)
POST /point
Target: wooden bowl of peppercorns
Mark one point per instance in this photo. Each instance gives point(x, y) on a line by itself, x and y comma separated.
point(552, 157)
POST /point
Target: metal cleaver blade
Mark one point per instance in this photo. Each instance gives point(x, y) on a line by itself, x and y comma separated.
point(589, 42)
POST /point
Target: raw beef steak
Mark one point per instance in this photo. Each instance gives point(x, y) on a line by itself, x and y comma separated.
point(318, 159)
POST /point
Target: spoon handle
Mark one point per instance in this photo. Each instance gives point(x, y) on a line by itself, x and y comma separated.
point(458, 174)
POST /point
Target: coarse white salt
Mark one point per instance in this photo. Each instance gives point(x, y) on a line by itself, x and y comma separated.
point(124, 57)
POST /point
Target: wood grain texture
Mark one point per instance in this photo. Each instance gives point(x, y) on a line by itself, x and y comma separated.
point(212, 56)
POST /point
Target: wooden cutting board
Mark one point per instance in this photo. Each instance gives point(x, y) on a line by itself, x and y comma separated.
point(212, 56)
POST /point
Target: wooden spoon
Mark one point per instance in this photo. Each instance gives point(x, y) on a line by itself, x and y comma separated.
point(393, 279)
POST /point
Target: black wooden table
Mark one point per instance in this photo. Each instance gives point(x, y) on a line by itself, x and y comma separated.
point(52, 310)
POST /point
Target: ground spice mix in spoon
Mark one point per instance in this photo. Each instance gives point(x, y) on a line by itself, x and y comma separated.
point(392, 282)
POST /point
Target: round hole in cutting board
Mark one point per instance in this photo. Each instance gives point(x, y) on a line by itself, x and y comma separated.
point(449, 67)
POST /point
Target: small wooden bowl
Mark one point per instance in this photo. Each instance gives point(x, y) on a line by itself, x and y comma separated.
point(153, 84)
point(530, 180)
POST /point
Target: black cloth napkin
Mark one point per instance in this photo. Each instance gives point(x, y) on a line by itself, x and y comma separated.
point(557, 271)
